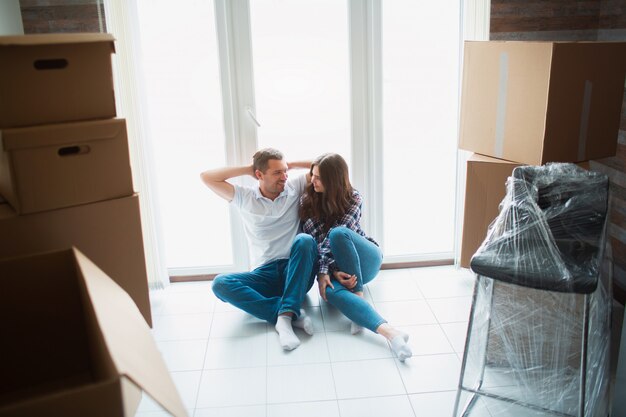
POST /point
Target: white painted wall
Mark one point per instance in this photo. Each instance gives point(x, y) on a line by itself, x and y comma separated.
point(10, 18)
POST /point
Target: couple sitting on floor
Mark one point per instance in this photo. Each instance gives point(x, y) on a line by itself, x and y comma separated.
point(332, 247)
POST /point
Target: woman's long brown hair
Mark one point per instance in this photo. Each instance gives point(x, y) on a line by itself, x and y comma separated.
point(332, 204)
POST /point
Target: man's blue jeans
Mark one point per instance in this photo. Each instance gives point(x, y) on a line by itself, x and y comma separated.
point(275, 287)
point(354, 255)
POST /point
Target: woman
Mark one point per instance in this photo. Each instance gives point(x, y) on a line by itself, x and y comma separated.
point(331, 211)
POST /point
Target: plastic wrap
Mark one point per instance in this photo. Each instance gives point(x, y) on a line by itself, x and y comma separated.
point(542, 297)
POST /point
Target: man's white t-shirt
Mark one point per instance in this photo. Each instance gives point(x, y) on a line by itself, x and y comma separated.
point(271, 226)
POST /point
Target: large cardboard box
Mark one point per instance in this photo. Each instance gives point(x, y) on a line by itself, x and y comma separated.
point(537, 102)
point(74, 343)
point(55, 78)
point(108, 232)
point(484, 190)
point(64, 164)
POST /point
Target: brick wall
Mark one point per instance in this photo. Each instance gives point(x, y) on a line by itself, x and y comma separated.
point(554, 20)
point(62, 16)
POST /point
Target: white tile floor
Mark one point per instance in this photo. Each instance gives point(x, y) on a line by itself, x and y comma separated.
point(227, 363)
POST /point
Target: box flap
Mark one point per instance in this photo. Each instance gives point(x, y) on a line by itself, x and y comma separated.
point(56, 38)
point(60, 134)
point(128, 337)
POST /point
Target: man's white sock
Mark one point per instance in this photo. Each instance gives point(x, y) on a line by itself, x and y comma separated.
point(288, 339)
point(304, 322)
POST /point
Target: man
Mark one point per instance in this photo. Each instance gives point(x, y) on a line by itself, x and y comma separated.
point(284, 260)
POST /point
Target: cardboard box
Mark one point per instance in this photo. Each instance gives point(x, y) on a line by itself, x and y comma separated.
point(108, 232)
point(537, 102)
point(64, 164)
point(484, 190)
point(55, 78)
point(74, 343)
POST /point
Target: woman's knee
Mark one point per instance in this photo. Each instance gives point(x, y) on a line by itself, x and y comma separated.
point(339, 236)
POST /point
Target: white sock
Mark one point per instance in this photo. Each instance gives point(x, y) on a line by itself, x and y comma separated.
point(355, 328)
point(288, 339)
point(400, 347)
point(304, 322)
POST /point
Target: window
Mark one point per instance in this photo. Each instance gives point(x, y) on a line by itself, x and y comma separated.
point(182, 81)
point(420, 66)
point(301, 76)
point(375, 81)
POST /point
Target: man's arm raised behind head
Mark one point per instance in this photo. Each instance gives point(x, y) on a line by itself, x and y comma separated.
point(301, 164)
point(215, 179)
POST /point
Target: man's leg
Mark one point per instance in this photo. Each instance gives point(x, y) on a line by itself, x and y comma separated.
point(299, 274)
point(257, 292)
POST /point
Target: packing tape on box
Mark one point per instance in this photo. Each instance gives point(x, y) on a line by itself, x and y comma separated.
point(501, 105)
point(584, 122)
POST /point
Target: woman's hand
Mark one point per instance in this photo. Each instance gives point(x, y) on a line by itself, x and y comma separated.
point(345, 279)
point(323, 281)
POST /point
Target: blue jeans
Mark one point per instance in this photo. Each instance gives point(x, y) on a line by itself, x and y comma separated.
point(275, 287)
point(354, 255)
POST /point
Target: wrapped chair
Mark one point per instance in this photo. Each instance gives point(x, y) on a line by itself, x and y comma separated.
point(538, 335)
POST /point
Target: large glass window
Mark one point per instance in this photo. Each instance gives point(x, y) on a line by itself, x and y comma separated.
point(183, 100)
point(301, 76)
point(420, 61)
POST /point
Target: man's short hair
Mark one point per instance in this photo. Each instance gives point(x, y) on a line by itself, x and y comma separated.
point(261, 158)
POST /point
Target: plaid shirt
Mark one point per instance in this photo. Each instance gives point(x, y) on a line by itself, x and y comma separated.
point(351, 219)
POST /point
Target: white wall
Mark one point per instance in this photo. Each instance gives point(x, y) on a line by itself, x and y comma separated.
point(10, 18)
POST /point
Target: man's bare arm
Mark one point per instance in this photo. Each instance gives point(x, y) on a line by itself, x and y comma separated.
point(215, 179)
point(302, 164)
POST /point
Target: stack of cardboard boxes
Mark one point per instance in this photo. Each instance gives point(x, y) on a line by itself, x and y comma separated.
point(64, 159)
point(74, 291)
point(529, 103)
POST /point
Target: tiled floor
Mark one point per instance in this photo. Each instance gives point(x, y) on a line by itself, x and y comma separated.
point(227, 363)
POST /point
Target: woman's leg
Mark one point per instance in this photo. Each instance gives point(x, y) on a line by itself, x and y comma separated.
point(358, 310)
point(354, 307)
point(355, 255)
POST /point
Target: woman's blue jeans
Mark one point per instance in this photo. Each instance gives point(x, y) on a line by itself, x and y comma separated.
point(354, 255)
point(275, 287)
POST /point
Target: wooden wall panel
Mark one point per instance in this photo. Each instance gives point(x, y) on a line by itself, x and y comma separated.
point(600, 20)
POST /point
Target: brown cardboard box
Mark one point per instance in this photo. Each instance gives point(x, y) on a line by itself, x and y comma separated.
point(108, 232)
point(74, 343)
point(64, 164)
point(537, 102)
point(484, 190)
point(55, 78)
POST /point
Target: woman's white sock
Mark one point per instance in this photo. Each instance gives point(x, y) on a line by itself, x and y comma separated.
point(355, 328)
point(400, 347)
point(288, 339)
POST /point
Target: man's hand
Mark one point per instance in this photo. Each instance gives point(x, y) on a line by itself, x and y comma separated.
point(323, 281)
point(345, 279)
